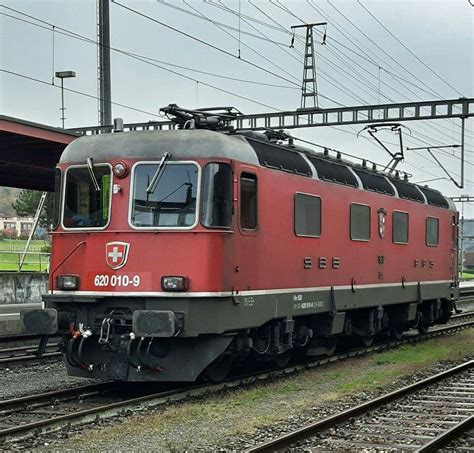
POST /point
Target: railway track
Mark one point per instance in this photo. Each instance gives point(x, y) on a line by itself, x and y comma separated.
point(31, 415)
point(422, 417)
point(19, 350)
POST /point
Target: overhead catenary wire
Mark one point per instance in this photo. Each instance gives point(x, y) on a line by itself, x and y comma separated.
point(71, 34)
point(197, 82)
point(169, 70)
point(367, 57)
point(287, 10)
point(409, 50)
point(139, 13)
point(71, 90)
point(395, 76)
point(323, 74)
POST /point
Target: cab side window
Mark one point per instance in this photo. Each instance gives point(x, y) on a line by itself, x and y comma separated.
point(248, 201)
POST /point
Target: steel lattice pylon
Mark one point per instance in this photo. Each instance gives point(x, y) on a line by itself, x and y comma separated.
point(309, 87)
point(309, 73)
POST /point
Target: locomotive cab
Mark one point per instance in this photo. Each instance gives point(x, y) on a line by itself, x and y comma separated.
point(138, 249)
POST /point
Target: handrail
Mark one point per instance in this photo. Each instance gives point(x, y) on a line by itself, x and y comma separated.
point(63, 261)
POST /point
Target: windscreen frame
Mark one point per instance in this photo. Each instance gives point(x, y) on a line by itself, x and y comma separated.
point(63, 195)
point(164, 228)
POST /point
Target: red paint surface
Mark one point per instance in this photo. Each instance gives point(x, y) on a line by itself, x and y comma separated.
point(272, 257)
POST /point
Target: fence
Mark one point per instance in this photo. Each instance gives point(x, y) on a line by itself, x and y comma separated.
point(34, 261)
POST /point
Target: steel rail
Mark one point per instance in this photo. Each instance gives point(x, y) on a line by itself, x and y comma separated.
point(156, 399)
point(445, 438)
point(310, 430)
point(55, 394)
point(26, 354)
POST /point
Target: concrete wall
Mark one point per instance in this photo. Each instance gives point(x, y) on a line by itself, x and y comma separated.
point(22, 288)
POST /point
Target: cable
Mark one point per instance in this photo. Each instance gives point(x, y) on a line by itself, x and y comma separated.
point(230, 27)
point(404, 46)
point(145, 60)
point(216, 48)
point(6, 71)
point(70, 34)
point(324, 75)
point(245, 45)
point(393, 75)
point(200, 41)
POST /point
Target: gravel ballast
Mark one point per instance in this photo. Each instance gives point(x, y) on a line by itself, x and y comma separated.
point(29, 380)
point(239, 418)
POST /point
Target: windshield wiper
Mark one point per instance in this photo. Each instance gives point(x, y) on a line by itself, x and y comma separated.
point(90, 167)
point(154, 181)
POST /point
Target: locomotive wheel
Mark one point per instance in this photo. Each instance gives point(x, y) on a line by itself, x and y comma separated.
point(367, 340)
point(282, 360)
point(422, 325)
point(397, 332)
point(330, 344)
point(218, 370)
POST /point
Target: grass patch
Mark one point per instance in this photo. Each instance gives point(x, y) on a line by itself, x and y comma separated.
point(216, 420)
point(33, 262)
point(18, 245)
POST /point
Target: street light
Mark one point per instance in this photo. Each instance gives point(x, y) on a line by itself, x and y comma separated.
point(64, 75)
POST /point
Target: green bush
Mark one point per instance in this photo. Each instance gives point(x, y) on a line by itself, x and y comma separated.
point(46, 249)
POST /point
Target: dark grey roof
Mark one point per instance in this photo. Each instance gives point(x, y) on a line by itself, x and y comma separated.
point(39, 125)
point(182, 144)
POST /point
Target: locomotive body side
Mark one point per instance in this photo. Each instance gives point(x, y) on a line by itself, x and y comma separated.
point(250, 288)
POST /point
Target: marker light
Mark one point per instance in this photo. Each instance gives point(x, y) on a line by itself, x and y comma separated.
point(67, 282)
point(177, 283)
point(120, 169)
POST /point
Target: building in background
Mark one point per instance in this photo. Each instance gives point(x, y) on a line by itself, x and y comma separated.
point(16, 226)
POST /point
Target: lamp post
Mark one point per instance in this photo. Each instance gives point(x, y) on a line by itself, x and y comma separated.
point(64, 75)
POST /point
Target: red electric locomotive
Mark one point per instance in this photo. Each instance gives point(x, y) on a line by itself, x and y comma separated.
point(177, 252)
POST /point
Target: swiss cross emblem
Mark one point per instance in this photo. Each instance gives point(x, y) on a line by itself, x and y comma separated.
point(382, 216)
point(116, 254)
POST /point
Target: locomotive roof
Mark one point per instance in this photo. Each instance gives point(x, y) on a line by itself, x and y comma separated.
point(251, 148)
point(181, 144)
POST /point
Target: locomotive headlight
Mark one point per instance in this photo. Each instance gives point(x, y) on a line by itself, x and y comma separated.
point(120, 169)
point(67, 282)
point(177, 283)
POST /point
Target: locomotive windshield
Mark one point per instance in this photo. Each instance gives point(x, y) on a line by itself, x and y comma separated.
point(172, 204)
point(85, 205)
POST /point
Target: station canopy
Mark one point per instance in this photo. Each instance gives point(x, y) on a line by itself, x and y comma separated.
point(29, 152)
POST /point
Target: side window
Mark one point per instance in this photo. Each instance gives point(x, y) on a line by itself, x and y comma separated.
point(400, 227)
point(248, 201)
point(432, 231)
point(360, 222)
point(307, 215)
point(216, 202)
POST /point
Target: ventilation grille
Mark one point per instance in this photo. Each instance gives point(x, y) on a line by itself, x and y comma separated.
point(434, 197)
point(332, 172)
point(375, 183)
point(408, 191)
point(279, 158)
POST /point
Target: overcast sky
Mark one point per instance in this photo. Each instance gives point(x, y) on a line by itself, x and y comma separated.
point(361, 63)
